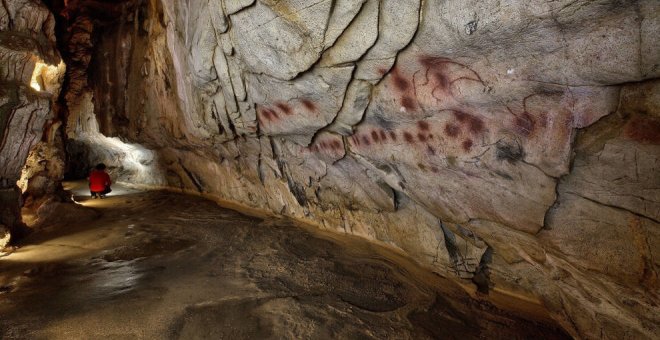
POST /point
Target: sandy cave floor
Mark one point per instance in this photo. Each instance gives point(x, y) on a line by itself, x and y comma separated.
point(164, 265)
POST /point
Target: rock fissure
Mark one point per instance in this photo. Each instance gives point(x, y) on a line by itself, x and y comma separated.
point(613, 206)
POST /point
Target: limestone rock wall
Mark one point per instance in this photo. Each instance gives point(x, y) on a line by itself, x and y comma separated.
point(511, 146)
point(27, 42)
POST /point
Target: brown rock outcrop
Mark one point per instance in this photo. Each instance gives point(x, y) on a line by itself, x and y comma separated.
point(29, 80)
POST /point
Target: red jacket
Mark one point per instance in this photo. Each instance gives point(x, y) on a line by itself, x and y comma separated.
point(99, 180)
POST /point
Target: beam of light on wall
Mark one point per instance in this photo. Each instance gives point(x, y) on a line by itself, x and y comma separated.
point(131, 163)
point(127, 162)
point(137, 160)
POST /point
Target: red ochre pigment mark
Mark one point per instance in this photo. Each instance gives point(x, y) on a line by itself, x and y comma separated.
point(422, 137)
point(261, 112)
point(382, 71)
point(452, 130)
point(408, 103)
point(355, 139)
point(284, 108)
point(434, 62)
point(269, 114)
point(366, 140)
point(375, 136)
point(383, 135)
point(431, 136)
point(474, 124)
point(422, 125)
point(329, 145)
point(434, 169)
point(643, 130)
point(400, 83)
point(441, 80)
point(460, 116)
point(439, 65)
point(404, 88)
point(524, 124)
point(308, 104)
point(438, 71)
point(393, 135)
point(467, 145)
point(261, 115)
point(408, 137)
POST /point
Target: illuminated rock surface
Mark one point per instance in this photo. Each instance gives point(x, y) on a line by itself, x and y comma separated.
point(512, 147)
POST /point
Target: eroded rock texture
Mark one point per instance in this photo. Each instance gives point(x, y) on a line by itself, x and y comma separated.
point(27, 57)
point(513, 147)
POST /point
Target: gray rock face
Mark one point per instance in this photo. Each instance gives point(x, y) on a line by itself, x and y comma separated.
point(513, 147)
point(28, 58)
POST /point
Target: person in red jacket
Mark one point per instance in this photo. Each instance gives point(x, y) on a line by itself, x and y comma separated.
point(99, 182)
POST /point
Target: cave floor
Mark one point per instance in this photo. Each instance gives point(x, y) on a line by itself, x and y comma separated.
point(157, 264)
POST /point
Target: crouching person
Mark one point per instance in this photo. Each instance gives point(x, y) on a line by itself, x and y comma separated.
point(99, 182)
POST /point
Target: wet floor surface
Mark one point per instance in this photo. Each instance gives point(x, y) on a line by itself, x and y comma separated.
point(171, 266)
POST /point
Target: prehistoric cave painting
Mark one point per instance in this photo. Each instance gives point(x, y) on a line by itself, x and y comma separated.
point(465, 126)
point(432, 90)
point(525, 124)
point(329, 144)
point(509, 150)
point(373, 136)
point(434, 85)
point(271, 114)
point(453, 93)
point(326, 146)
point(308, 105)
point(285, 108)
point(459, 131)
point(404, 87)
point(441, 74)
point(408, 137)
point(266, 114)
point(645, 130)
point(472, 123)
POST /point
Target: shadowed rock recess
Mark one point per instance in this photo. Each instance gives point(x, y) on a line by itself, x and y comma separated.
point(511, 147)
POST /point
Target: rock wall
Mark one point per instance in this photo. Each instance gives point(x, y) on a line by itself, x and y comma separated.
point(511, 146)
point(30, 76)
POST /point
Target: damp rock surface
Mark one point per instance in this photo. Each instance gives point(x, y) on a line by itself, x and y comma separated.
point(165, 265)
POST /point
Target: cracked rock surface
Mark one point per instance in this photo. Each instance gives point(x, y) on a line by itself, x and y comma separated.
point(512, 147)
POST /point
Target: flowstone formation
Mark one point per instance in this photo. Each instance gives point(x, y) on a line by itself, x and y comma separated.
point(512, 147)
